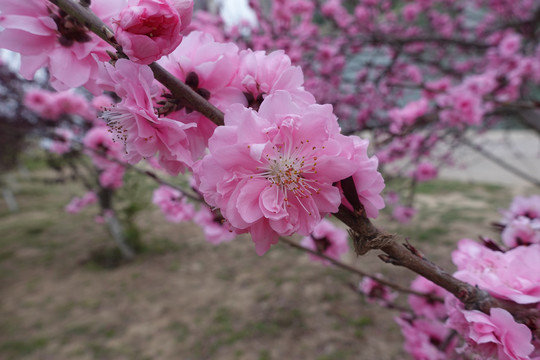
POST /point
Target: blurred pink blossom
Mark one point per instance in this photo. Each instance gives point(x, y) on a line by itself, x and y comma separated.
point(216, 229)
point(521, 231)
point(376, 292)
point(403, 213)
point(77, 204)
point(425, 171)
point(423, 336)
point(513, 275)
point(496, 335)
point(173, 204)
point(424, 306)
point(523, 206)
point(327, 239)
point(509, 44)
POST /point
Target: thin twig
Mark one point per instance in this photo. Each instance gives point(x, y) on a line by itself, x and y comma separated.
point(358, 271)
point(148, 173)
point(399, 41)
point(505, 165)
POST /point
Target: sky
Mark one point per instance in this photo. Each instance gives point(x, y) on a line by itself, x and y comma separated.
point(235, 11)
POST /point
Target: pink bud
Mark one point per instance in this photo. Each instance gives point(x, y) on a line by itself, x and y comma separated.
point(150, 29)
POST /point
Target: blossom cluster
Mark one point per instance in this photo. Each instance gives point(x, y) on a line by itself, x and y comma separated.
point(280, 163)
point(522, 222)
point(511, 275)
point(416, 73)
point(270, 170)
point(78, 204)
point(72, 128)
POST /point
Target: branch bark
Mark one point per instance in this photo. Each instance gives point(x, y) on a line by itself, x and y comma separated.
point(367, 237)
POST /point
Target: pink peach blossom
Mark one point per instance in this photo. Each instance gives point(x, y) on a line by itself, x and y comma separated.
point(173, 204)
point(335, 10)
point(112, 176)
point(216, 229)
point(500, 330)
point(509, 44)
point(271, 172)
point(61, 143)
point(134, 120)
point(367, 180)
point(52, 105)
point(425, 171)
point(424, 306)
point(523, 206)
point(46, 37)
point(71, 103)
point(260, 74)
point(42, 103)
point(77, 204)
point(410, 11)
point(375, 292)
point(521, 231)
point(102, 102)
point(403, 213)
point(328, 240)
point(422, 337)
point(209, 68)
point(407, 116)
point(513, 275)
point(99, 140)
point(496, 335)
point(462, 107)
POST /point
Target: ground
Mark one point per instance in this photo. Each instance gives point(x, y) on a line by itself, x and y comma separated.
point(184, 298)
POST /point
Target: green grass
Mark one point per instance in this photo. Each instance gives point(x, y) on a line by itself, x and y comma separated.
point(180, 330)
point(15, 349)
point(452, 215)
point(159, 246)
point(359, 324)
point(448, 186)
point(264, 355)
point(221, 332)
point(336, 355)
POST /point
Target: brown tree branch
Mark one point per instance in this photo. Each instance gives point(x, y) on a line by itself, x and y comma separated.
point(365, 235)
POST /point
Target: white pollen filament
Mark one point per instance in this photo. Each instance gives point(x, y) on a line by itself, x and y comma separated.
point(115, 119)
point(286, 168)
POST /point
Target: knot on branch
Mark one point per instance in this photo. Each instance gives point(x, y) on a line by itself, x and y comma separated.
point(474, 298)
point(363, 244)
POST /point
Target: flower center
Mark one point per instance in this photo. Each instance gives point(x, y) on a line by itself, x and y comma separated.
point(321, 244)
point(289, 168)
point(115, 119)
point(69, 29)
